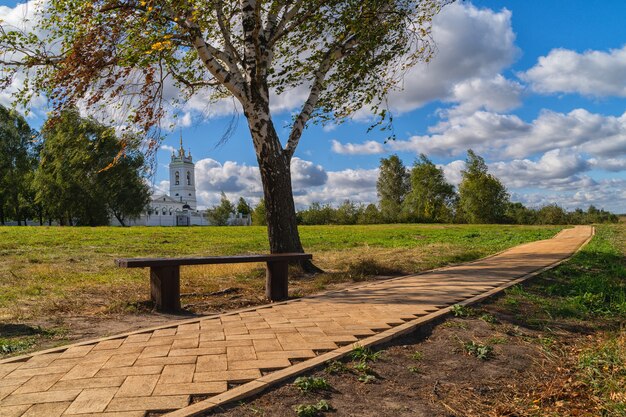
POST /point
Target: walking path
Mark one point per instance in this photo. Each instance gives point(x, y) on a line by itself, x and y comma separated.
point(189, 367)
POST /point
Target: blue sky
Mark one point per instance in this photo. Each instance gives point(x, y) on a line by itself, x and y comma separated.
point(537, 88)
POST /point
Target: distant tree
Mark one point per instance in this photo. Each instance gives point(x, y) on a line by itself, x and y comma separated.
point(219, 215)
point(18, 159)
point(79, 181)
point(259, 215)
point(431, 197)
point(392, 187)
point(370, 215)
point(347, 213)
point(122, 184)
point(482, 197)
point(517, 213)
point(317, 213)
point(243, 207)
point(551, 214)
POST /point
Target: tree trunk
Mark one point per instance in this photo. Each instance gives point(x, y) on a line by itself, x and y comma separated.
point(2, 219)
point(120, 219)
point(275, 169)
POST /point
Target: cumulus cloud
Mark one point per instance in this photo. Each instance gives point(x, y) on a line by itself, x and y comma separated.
point(554, 169)
point(472, 43)
point(496, 94)
point(452, 171)
point(370, 147)
point(591, 73)
point(358, 185)
point(507, 135)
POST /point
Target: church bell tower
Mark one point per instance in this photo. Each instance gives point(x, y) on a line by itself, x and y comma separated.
point(182, 177)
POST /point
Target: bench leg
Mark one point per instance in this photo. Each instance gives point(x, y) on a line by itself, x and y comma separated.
point(165, 288)
point(277, 282)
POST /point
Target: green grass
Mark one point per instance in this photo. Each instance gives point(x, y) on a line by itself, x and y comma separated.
point(587, 293)
point(49, 271)
point(592, 284)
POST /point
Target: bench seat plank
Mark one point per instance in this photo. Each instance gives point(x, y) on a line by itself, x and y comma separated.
point(210, 260)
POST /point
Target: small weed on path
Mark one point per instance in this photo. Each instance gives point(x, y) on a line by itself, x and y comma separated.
point(307, 384)
point(482, 352)
point(312, 410)
point(363, 354)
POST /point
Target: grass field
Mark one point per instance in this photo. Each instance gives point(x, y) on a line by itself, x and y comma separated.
point(51, 270)
point(60, 284)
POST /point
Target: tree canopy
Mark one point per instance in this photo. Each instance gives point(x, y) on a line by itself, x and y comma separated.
point(392, 186)
point(18, 157)
point(482, 197)
point(76, 180)
point(431, 198)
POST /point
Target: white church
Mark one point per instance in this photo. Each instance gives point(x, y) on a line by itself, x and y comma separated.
point(179, 208)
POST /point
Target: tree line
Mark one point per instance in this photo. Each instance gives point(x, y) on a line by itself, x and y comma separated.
point(421, 194)
point(71, 173)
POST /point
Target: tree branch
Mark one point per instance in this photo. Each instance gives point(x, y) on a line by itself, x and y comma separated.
point(326, 64)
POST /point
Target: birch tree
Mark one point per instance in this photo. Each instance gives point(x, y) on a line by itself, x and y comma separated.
point(347, 54)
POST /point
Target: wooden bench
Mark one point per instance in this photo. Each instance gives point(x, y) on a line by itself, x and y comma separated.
point(165, 274)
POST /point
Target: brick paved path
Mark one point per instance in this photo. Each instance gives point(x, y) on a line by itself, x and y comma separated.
point(167, 368)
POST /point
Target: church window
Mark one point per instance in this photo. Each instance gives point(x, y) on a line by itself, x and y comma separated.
point(188, 178)
point(164, 211)
point(177, 178)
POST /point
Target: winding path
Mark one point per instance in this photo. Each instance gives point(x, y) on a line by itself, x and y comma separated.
point(186, 368)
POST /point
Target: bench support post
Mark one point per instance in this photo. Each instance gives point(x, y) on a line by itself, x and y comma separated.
point(165, 288)
point(277, 282)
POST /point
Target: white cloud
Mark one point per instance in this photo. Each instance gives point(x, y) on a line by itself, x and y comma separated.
point(493, 94)
point(472, 43)
point(506, 135)
point(370, 147)
point(555, 168)
point(167, 148)
point(591, 73)
point(609, 164)
point(358, 185)
point(452, 171)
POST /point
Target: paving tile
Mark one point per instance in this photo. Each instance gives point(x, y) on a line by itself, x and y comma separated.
point(263, 364)
point(13, 410)
point(173, 374)
point(161, 403)
point(243, 375)
point(47, 410)
point(138, 386)
point(197, 352)
point(108, 344)
point(130, 370)
point(92, 400)
point(238, 353)
point(38, 383)
point(41, 397)
point(205, 388)
point(209, 363)
point(114, 381)
point(167, 360)
point(155, 351)
point(76, 352)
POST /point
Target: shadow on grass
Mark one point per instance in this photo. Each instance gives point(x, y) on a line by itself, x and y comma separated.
point(20, 330)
